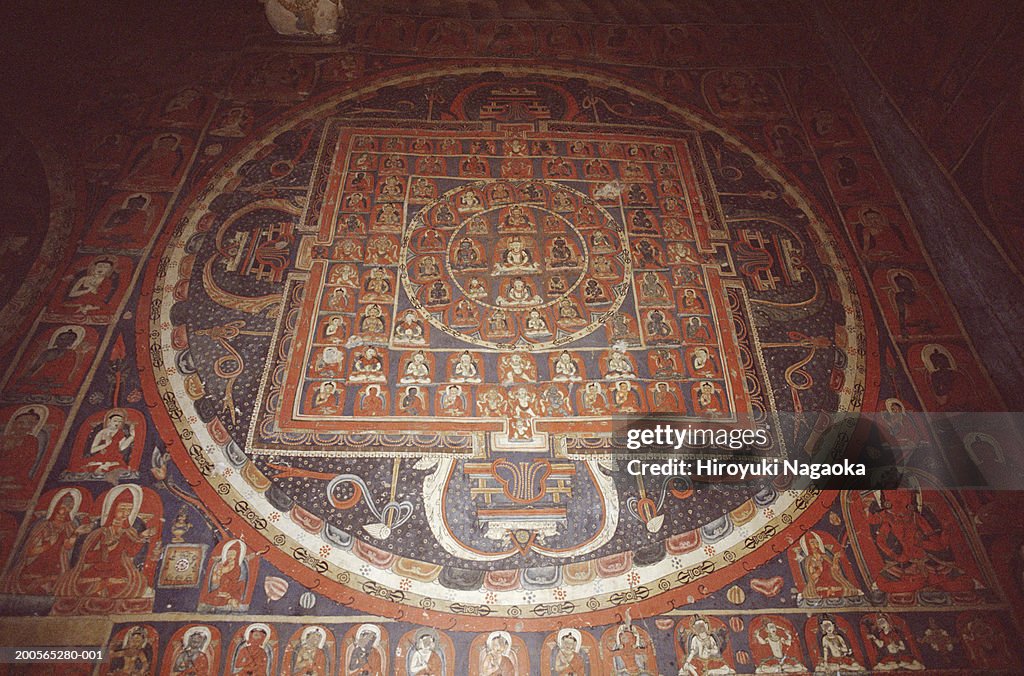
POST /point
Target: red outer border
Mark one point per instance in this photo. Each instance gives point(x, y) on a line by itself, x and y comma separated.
point(659, 604)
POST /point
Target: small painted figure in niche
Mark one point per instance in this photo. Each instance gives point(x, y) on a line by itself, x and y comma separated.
point(943, 375)
point(889, 645)
point(664, 363)
point(630, 652)
point(427, 268)
point(536, 324)
point(692, 303)
point(516, 257)
point(523, 408)
point(704, 650)
point(619, 365)
point(324, 398)
point(519, 293)
point(680, 252)
point(656, 325)
point(391, 189)
point(411, 401)
point(426, 658)
point(235, 123)
point(648, 255)
point(378, 285)
point(476, 288)
point(603, 268)
point(491, 402)
point(132, 217)
point(561, 202)
point(422, 189)
point(134, 655)
point(393, 163)
point(562, 255)
point(567, 660)
point(702, 363)
point(516, 368)
point(58, 366)
point(642, 222)
point(517, 219)
point(411, 329)
point(497, 658)
point(569, 314)
point(45, 557)
point(500, 193)
point(555, 402)
point(622, 328)
point(597, 169)
point(356, 200)
point(498, 324)
point(157, 166)
point(638, 194)
point(558, 166)
point(22, 447)
point(389, 216)
point(465, 369)
point(335, 329)
point(836, 652)
point(665, 398)
point(329, 363)
point(465, 314)
point(359, 181)
point(364, 656)
point(371, 401)
point(452, 401)
point(111, 445)
point(671, 204)
point(309, 655)
point(708, 398)
point(556, 285)
point(775, 647)
point(600, 242)
point(193, 655)
point(696, 330)
point(594, 293)
point(652, 289)
point(469, 201)
point(253, 655)
point(625, 398)
point(338, 299)
point(593, 400)
point(371, 323)
point(438, 294)
point(382, 250)
point(229, 577)
point(93, 288)
point(344, 275)
point(821, 566)
point(368, 366)
point(467, 255)
point(417, 370)
point(565, 368)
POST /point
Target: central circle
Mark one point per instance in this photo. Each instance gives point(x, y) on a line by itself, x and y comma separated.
point(515, 264)
point(516, 257)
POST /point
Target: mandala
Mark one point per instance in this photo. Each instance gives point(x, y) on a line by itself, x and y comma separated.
point(392, 339)
point(535, 275)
